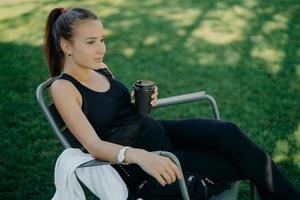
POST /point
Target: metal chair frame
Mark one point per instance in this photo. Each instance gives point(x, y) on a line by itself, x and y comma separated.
point(69, 141)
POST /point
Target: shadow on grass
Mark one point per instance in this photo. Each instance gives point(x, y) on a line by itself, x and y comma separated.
point(245, 54)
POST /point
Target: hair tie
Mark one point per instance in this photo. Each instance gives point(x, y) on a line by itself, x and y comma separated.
point(63, 10)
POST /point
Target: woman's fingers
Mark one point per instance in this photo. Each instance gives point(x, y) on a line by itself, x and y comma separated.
point(154, 97)
point(166, 176)
point(153, 102)
point(173, 170)
point(169, 171)
point(176, 170)
point(160, 179)
point(171, 175)
point(155, 93)
point(160, 167)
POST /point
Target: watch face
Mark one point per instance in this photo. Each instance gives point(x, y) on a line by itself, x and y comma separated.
point(121, 155)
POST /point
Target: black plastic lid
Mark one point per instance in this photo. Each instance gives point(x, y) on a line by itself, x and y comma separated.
point(145, 84)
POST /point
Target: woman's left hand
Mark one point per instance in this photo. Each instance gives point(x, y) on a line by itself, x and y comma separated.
point(154, 97)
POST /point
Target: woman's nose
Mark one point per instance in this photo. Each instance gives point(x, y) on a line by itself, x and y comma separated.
point(101, 48)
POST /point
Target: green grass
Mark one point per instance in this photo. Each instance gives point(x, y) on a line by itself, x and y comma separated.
point(245, 53)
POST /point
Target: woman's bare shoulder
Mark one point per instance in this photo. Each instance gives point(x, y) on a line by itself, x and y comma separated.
point(102, 65)
point(61, 85)
point(65, 88)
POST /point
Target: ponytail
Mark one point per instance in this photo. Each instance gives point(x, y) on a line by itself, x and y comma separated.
point(53, 59)
point(59, 25)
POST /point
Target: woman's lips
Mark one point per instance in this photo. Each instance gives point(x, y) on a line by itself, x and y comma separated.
point(98, 59)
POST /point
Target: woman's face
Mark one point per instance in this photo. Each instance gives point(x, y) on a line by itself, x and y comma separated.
point(87, 46)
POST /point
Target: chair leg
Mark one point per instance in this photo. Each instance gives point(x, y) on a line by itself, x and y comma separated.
point(253, 191)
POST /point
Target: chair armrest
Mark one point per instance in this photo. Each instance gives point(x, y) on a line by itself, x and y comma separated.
point(179, 99)
point(190, 97)
point(96, 162)
point(182, 184)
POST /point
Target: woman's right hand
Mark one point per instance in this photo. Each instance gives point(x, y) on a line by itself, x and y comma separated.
point(159, 167)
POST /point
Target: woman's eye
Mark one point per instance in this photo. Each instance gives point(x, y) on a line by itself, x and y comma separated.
point(91, 42)
point(103, 40)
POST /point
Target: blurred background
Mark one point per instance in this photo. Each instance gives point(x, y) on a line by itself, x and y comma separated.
point(245, 53)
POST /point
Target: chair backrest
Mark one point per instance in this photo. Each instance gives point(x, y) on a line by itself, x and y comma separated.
point(56, 122)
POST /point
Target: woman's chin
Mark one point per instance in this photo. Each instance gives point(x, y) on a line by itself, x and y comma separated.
point(99, 60)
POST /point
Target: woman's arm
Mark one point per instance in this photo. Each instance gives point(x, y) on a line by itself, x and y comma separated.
point(68, 102)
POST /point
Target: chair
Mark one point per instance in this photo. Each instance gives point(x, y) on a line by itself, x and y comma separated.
point(69, 141)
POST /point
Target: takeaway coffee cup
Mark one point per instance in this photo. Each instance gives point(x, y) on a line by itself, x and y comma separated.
point(143, 89)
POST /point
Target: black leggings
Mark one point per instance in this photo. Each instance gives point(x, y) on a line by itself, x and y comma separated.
point(220, 150)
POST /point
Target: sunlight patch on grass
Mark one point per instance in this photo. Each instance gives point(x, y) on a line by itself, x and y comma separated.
point(14, 11)
point(46, 8)
point(152, 2)
point(284, 150)
point(126, 23)
point(13, 34)
point(227, 57)
point(150, 40)
point(181, 32)
point(108, 11)
point(128, 13)
point(108, 31)
point(206, 58)
point(272, 57)
point(278, 22)
point(297, 135)
point(296, 159)
point(21, 31)
point(281, 151)
point(118, 2)
point(167, 47)
point(128, 52)
point(180, 17)
point(268, 45)
point(14, 2)
point(24, 33)
point(250, 3)
point(224, 25)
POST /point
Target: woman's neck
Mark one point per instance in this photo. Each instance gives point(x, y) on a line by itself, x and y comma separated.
point(78, 72)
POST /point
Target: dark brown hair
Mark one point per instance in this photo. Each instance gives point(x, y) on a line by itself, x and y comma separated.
point(60, 24)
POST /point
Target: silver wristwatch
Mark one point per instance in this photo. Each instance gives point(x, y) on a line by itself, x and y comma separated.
point(121, 155)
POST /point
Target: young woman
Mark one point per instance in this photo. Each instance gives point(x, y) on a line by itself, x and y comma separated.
point(97, 110)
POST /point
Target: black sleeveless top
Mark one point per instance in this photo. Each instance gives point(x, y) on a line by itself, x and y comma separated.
point(115, 118)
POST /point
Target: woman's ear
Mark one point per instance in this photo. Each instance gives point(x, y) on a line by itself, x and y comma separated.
point(65, 46)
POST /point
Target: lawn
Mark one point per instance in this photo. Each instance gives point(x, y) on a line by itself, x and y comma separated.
point(245, 53)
